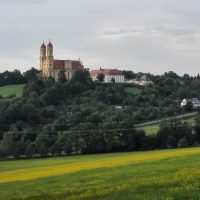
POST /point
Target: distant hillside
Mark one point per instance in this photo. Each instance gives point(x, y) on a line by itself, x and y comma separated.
point(11, 90)
point(81, 116)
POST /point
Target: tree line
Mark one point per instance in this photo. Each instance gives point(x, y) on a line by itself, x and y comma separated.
point(16, 77)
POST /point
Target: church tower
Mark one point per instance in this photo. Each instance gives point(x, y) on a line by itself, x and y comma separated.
point(43, 58)
point(49, 59)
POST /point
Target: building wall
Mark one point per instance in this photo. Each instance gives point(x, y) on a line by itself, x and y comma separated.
point(68, 70)
point(118, 78)
point(108, 78)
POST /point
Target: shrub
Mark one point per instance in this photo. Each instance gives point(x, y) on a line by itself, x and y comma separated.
point(182, 143)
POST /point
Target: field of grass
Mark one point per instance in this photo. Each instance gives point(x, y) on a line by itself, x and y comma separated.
point(133, 90)
point(151, 129)
point(153, 175)
point(6, 91)
point(154, 128)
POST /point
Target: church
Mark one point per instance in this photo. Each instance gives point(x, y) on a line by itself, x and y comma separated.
point(52, 67)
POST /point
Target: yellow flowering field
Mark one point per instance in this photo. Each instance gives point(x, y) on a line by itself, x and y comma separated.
point(167, 174)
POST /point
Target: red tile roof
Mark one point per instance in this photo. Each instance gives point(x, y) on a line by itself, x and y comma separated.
point(106, 72)
point(77, 65)
point(60, 64)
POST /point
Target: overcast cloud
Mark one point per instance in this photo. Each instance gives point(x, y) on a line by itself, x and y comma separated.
point(148, 35)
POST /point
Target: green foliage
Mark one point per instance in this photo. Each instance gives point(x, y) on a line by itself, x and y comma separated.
point(62, 77)
point(129, 75)
point(81, 116)
point(182, 143)
point(100, 77)
point(172, 132)
point(133, 90)
point(16, 77)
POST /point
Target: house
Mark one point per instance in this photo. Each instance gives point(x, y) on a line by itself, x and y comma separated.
point(110, 75)
point(51, 67)
point(195, 102)
point(141, 80)
point(184, 102)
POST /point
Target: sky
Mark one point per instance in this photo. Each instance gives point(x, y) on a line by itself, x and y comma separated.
point(153, 36)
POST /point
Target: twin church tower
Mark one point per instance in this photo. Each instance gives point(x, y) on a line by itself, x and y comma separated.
point(52, 67)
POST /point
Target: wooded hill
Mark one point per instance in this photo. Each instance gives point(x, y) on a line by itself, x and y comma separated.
point(82, 116)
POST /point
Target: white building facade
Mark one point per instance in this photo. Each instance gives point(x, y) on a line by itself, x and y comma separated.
point(110, 75)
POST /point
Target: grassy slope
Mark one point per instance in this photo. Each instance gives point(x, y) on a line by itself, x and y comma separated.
point(6, 91)
point(169, 174)
point(133, 90)
point(153, 129)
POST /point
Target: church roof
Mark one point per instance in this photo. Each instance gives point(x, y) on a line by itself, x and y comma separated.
point(60, 64)
point(76, 64)
point(50, 45)
point(43, 45)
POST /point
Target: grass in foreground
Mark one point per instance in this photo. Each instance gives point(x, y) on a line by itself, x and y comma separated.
point(6, 91)
point(169, 174)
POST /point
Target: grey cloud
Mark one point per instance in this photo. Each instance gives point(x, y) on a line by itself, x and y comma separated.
point(20, 2)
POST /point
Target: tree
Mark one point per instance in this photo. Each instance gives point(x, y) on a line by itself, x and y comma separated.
point(29, 75)
point(83, 77)
point(129, 75)
point(43, 151)
point(7, 144)
point(182, 143)
point(112, 80)
point(30, 150)
point(62, 77)
point(100, 77)
point(188, 107)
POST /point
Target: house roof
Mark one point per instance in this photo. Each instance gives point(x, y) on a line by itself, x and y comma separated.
point(50, 45)
point(106, 72)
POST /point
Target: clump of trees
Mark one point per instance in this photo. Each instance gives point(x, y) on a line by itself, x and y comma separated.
point(66, 117)
point(16, 77)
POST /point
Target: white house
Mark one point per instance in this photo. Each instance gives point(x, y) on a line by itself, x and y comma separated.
point(110, 74)
point(195, 102)
point(184, 102)
point(143, 80)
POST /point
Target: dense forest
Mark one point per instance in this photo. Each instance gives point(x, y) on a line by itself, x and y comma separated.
point(81, 116)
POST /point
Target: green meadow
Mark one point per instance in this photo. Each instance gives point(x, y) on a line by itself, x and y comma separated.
point(133, 90)
point(151, 129)
point(154, 128)
point(9, 90)
point(167, 174)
